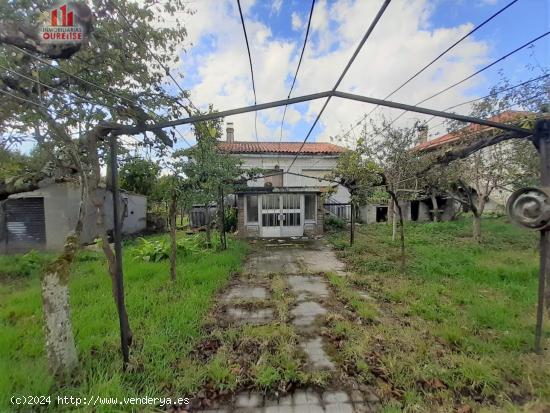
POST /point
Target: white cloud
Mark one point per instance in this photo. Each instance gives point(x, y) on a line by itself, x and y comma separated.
point(276, 6)
point(399, 46)
point(296, 21)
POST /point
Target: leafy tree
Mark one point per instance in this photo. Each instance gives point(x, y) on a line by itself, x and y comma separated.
point(505, 166)
point(12, 163)
point(394, 156)
point(209, 171)
point(359, 174)
point(139, 175)
point(437, 180)
point(116, 77)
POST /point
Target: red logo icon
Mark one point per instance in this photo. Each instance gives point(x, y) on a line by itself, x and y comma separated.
point(66, 18)
point(63, 26)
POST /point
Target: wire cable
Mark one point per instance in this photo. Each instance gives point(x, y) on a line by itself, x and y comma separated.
point(297, 68)
point(37, 81)
point(80, 79)
point(495, 93)
point(23, 99)
point(468, 77)
point(137, 36)
point(479, 26)
point(350, 62)
point(166, 69)
point(251, 69)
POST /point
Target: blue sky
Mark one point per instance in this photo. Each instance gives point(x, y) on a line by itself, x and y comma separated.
point(410, 33)
point(215, 67)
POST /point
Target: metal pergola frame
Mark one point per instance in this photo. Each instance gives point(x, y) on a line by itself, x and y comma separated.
point(133, 130)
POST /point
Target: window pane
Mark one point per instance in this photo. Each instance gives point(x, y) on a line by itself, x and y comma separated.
point(309, 206)
point(252, 208)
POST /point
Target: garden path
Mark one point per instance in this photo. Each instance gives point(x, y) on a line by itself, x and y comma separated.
point(303, 265)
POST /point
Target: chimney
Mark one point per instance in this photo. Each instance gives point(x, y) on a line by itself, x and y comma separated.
point(230, 132)
point(422, 133)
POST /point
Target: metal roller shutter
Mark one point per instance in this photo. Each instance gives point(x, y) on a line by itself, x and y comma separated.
point(25, 223)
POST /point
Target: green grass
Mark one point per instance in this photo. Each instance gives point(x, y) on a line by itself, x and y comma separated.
point(165, 318)
point(347, 293)
point(458, 326)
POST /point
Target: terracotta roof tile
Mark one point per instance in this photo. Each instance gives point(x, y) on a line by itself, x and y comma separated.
point(283, 147)
point(503, 117)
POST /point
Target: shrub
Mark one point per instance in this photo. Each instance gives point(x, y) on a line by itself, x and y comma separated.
point(333, 222)
point(154, 250)
point(25, 265)
point(230, 219)
point(158, 250)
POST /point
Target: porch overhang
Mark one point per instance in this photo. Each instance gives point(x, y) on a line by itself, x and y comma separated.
point(252, 190)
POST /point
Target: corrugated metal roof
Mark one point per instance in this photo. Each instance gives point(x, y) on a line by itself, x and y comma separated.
point(283, 147)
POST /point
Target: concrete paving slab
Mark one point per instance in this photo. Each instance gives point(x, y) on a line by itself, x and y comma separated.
point(298, 265)
point(249, 400)
point(339, 407)
point(336, 397)
point(243, 292)
point(306, 312)
point(307, 396)
point(272, 261)
point(305, 285)
point(242, 316)
point(319, 360)
point(324, 260)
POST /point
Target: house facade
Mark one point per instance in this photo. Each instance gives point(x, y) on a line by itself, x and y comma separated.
point(287, 201)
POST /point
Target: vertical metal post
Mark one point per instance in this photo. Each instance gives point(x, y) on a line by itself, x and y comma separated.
point(542, 137)
point(222, 215)
point(352, 227)
point(118, 251)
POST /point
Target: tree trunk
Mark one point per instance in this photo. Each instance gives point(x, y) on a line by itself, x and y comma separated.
point(221, 215)
point(477, 227)
point(207, 224)
point(389, 217)
point(477, 212)
point(394, 223)
point(60, 345)
point(173, 245)
point(181, 217)
point(58, 331)
point(97, 196)
point(402, 229)
point(402, 235)
point(436, 214)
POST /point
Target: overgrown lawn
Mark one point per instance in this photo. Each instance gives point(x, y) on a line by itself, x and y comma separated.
point(455, 330)
point(165, 318)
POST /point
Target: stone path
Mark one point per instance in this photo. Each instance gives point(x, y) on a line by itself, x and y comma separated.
point(301, 266)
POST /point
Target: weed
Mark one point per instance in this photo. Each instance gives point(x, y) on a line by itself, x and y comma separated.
point(165, 317)
point(457, 327)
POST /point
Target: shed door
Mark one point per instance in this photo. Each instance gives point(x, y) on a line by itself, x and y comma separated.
point(291, 215)
point(25, 223)
point(282, 215)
